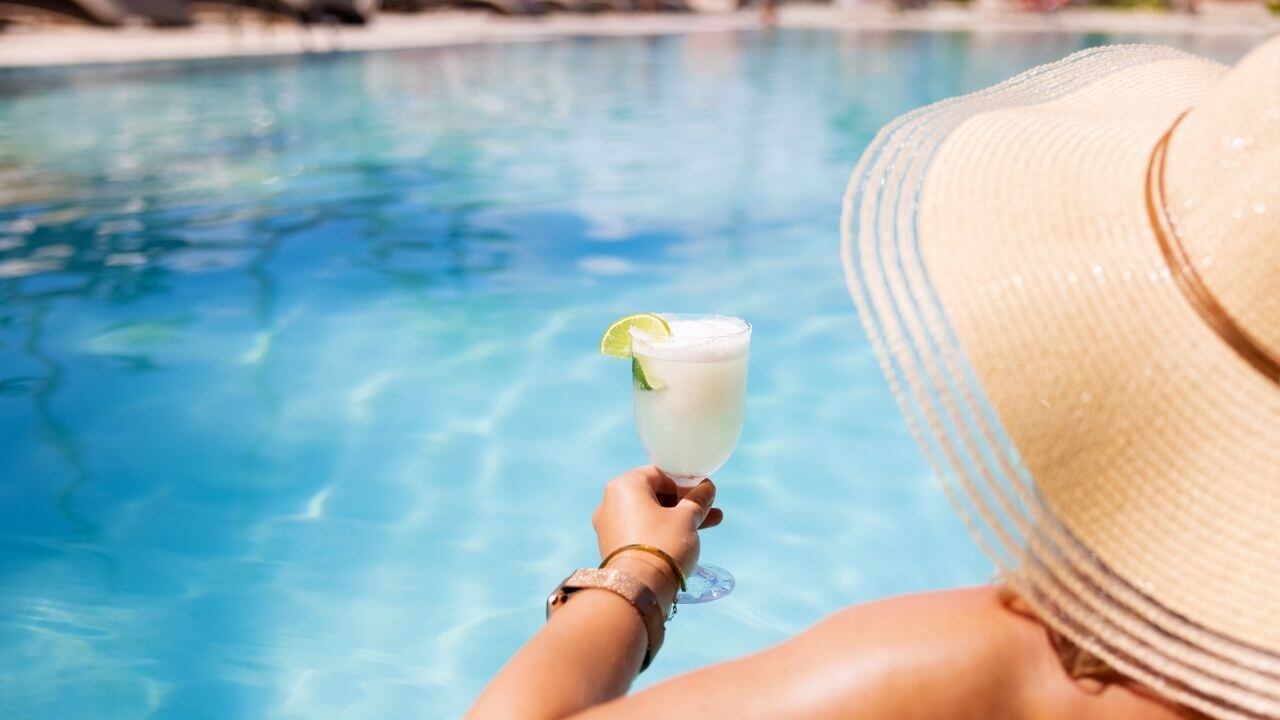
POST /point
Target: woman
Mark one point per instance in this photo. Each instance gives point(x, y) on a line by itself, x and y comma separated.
point(1073, 283)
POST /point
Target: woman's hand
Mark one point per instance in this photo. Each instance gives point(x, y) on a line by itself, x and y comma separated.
point(644, 506)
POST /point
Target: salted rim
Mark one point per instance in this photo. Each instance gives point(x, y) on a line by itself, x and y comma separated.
point(702, 348)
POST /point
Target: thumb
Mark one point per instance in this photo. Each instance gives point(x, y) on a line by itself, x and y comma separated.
point(697, 502)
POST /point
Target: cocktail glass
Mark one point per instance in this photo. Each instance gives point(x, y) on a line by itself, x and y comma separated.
point(689, 389)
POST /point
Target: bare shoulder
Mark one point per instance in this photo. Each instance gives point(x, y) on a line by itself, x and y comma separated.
point(956, 654)
point(972, 656)
point(937, 656)
point(948, 654)
point(926, 616)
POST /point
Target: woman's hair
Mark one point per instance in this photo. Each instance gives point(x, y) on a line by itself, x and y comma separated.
point(1080, 664)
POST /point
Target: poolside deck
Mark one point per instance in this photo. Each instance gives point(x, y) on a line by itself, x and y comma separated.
point(75, 45)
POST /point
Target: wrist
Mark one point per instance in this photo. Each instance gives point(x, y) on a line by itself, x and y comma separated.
point(613, 588)
point(650, 571)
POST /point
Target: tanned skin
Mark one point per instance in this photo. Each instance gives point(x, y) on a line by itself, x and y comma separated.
point(956, 654)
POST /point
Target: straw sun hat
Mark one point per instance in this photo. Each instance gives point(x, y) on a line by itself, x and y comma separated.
point(1072, 281)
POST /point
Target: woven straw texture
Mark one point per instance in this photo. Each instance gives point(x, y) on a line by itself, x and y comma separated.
point(1117, 459)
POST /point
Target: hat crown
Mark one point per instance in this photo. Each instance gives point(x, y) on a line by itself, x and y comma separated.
point(1223, 193)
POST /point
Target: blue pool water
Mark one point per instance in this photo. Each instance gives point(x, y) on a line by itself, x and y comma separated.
point(301, 414)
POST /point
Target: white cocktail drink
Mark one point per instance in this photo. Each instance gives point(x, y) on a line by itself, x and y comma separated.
point(689, 416)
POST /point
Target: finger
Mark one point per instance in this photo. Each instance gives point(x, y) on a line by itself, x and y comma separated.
point(647, 480)
point(714, 518)
point(697, 502)
point(653, 478)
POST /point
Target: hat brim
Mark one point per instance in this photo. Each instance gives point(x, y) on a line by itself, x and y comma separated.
point(913, 327)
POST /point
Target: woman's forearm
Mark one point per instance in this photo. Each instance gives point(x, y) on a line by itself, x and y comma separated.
point(586, 654)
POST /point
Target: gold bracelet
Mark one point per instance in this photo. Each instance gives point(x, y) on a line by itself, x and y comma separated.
point(652, 550)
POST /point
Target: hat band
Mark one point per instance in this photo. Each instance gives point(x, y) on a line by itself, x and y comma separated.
point(1184, 272)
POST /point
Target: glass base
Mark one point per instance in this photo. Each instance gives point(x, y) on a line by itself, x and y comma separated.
point(704, 584)
point(685, 481)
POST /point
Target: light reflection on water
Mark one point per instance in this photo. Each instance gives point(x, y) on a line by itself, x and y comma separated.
point(300, 412)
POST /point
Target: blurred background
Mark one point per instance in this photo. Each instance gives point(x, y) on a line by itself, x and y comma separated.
point(236, 14)
point(301, 410)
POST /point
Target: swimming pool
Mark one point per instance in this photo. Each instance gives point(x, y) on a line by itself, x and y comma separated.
point(300, 408)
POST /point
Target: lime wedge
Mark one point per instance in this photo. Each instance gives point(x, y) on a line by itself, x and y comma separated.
point(617, 339)
point(639, 379)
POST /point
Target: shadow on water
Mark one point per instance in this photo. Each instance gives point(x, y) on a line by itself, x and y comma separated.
point(62, 440)
point(59, 435)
